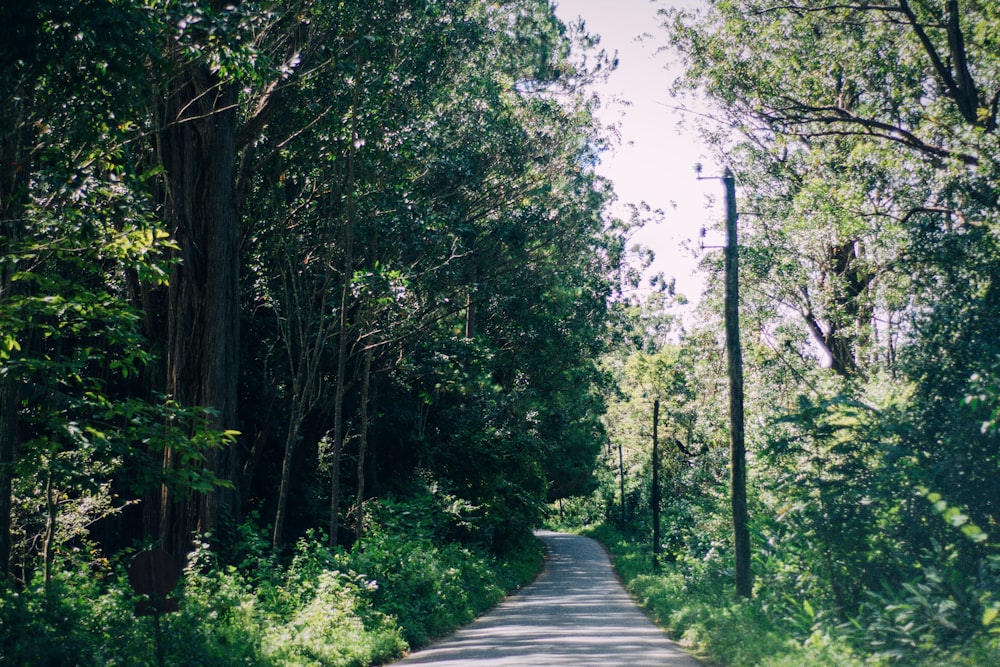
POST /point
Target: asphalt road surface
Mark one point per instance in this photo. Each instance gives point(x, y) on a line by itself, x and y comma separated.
point(575, 613)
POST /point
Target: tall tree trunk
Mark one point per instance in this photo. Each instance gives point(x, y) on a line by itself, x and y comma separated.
point(8, 451)
point(470, 304)
point(291, 440)
point(50, 530)
point(14, 137)
point(198, 150)
point(305, 332)
point(340, 387)
point(338, 416)
point(621, 483)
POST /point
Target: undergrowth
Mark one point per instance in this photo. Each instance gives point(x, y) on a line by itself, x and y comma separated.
point(694, 602)
point(326, 607)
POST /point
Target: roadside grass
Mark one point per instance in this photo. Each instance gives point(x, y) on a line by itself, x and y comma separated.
point(695, 604)
point(696, 607)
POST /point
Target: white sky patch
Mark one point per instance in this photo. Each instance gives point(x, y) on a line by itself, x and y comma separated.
point(655, 163)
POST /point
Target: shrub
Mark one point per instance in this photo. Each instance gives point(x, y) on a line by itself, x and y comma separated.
point(430, 589)
point(46, 627)
point(337, 627)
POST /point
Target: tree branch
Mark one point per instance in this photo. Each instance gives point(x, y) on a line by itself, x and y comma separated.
point(799, 114)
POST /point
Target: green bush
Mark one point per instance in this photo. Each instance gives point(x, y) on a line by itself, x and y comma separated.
point(943, 619)
point(429, 587)
point(46, 627)
point(694, 602)
point(219, 622)
point(333, 608)
point(337, 627)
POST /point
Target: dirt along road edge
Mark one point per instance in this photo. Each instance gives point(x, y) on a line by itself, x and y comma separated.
point(575, 613)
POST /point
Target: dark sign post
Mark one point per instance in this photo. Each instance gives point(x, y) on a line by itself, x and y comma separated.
point(153, 575)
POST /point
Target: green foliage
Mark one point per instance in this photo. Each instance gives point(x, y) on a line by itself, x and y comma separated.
point(863, 140)
point(700, 610)
point(428, 582)
point(450, 142)
point(337, 626)
point(844, 518)
point(856, 560)
point(45, 624)
point(348, 609)
point(428, 161)
point(844, 496)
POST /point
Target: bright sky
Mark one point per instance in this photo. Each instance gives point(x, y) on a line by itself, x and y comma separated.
point(654, 164)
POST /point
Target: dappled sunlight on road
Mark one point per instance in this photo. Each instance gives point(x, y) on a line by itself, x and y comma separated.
point(576, 613)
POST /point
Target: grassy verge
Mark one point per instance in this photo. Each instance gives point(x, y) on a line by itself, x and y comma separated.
point(696, 606)
point(695, 603)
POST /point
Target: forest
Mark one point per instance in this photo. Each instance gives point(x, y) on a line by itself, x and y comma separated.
point(327, 302)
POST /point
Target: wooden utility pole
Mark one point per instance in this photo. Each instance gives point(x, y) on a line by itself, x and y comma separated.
point(737, 448)
point(654, 500)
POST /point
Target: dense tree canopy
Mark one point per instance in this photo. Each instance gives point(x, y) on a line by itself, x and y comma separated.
point(278, 258)
point(864, 139)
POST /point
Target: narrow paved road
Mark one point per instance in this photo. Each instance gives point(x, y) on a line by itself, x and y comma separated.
point(576, 613)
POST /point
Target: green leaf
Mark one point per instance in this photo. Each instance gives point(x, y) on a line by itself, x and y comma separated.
point(954, 516)
point(8, 345)
point(974, 532)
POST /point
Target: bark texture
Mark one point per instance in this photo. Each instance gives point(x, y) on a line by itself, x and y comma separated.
point(198, 151)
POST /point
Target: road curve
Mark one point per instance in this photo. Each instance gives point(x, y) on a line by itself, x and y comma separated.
point(575, 613)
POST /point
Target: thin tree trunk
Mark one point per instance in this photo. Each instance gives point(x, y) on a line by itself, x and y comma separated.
point(8, 449)
point(15, 135)
point(338, 419)
point(9, 399)
point(470, 305)
point(305, 330)
point(366, 373)
point(340, 386)
point(291, 439)
point(50, 531)
point(621, 481)
point(344, 328)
